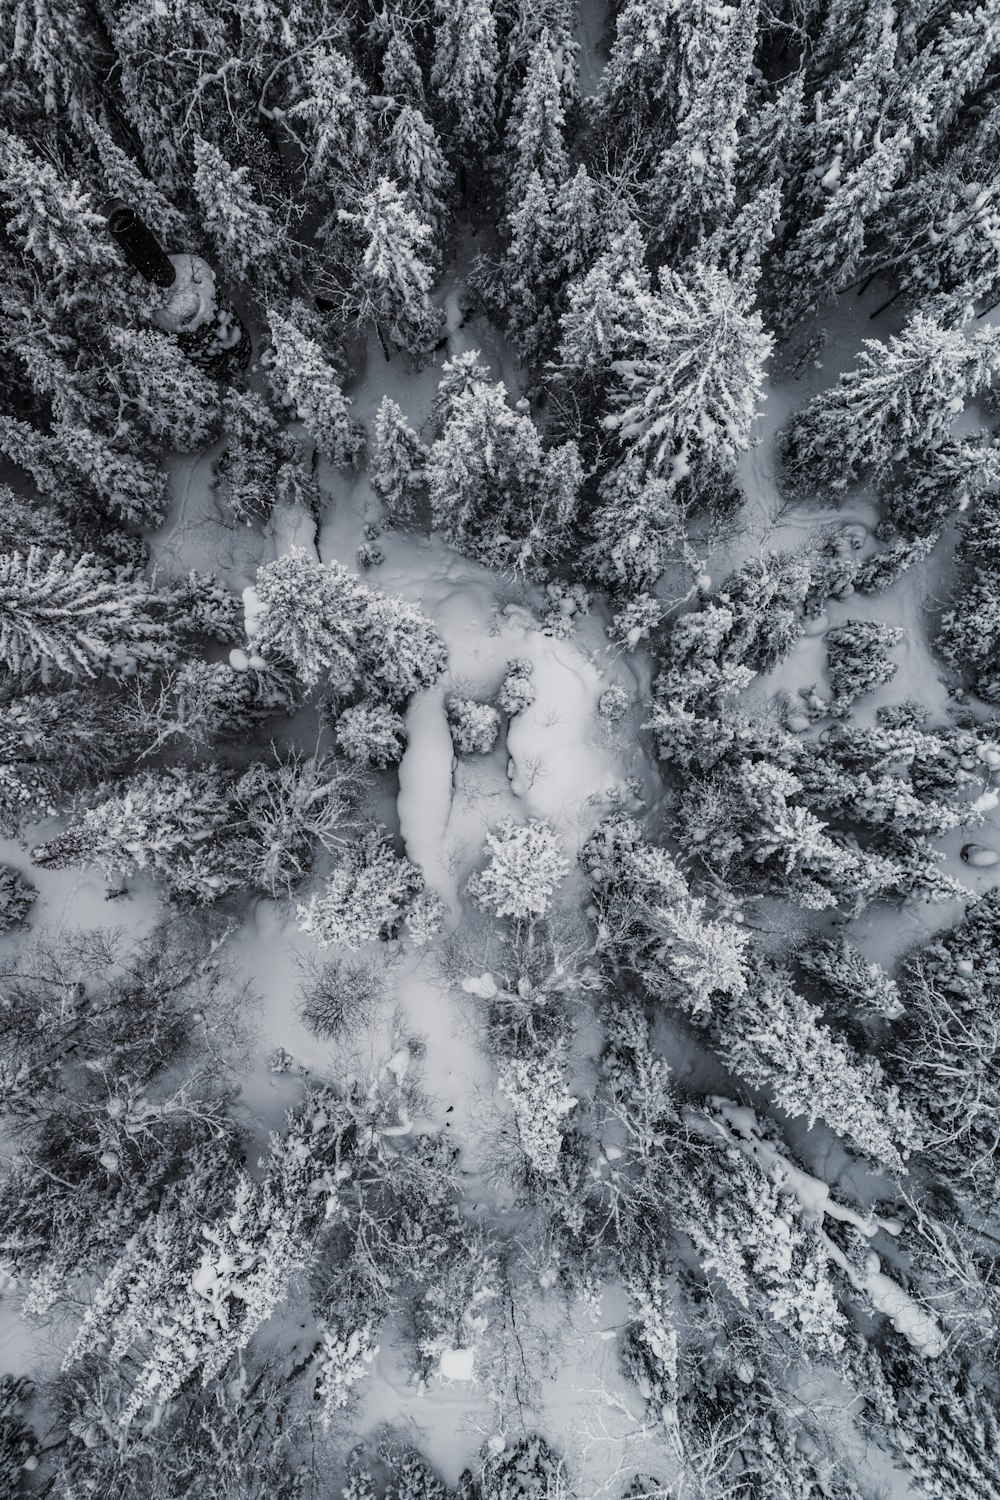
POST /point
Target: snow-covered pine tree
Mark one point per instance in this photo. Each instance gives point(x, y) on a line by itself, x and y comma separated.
point(303, 381)
point(464, 76)
point(689, 391)
point(56, 227)
point(902, 395)
point(242, 230)
point(159, 391)
point(418, 164)
point(394, 274)
point(60, 614)
point(692, 191)
point(366, 898)
point(396, 466)
point(494, 493)
point(536, 127)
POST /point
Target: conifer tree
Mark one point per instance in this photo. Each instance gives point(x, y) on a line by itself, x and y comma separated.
point(303, 381)
point(159, 391)
point(688, 394)
point(536, 128)
point(394, 275)
point(240, 228)
point(54, 223)
point(71, 615)
point(397, 464)
point(902, 395)
point(420, 168)
point(335, 108)
point(464, 75)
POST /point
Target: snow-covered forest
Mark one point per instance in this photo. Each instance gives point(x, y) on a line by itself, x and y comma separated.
point(499, 749)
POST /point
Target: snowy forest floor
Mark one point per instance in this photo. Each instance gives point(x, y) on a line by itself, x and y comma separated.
point(560, 761)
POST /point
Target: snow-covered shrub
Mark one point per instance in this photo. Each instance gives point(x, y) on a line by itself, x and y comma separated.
point(858, 656)
point(372, 734)
point(425, 917)
point(517, 691)
point(366, 898)
point(564, 603)
point(369, 555)
point(635, 622)
point(341, 995)
point(613, 703)
point(529, 1470)
point(342, 1361)
point(16, 898)
point(525, 865)
point(474, 726)
point(536, 1090)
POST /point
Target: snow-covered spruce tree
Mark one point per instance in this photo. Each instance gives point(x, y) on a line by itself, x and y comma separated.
point(636, 529)
point(525, 865)
point(242, 231)
point(72, 615)
point(303, 381)
point(536, 127)
point(464, 74)
point(114, 1058)
point(935, 483)
point(246, 474)
point(935, 1416)
point(201, 702)
point(72, 463)
point(16, 898)
point(693, 187)
point(396, 465)
point(858, 658)
point(370, 894)
point(847, 985)
point(393, 275)
point(970, 627)
point(687, 395)
point(494, 492)
point(159, 392)
point(421, 170)
point(54, 223)
point(124, 178)
point(335, 630)
point(525, 1470)
point(517, 691)
point(903, 395)
point(335, 109)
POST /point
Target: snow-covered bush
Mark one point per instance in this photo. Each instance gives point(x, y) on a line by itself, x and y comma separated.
point(16, 898)
point(372, 734)
point(474, 726)
point(536, 1090)
point(528, 1470)
point(342, 1361)
point(340, 995)
point(635, 622)
point(517, 691)
point(525, 865)
point(366, 898)
point(613, 703)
